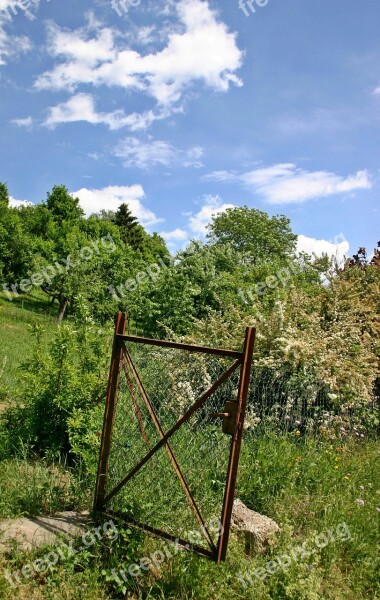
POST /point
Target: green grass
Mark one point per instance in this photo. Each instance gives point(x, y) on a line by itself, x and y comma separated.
point(34, 487)
point(309, 488)
point(17, 318)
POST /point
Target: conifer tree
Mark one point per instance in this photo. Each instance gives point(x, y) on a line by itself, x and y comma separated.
point(131, 231)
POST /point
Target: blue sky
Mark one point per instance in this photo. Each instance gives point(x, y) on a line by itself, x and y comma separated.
point(182, 108)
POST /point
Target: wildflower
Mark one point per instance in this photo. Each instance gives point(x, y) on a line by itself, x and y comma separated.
point(287, 417)
point(378, 509)
point(359, 501)
point(361, 487)
point(298, 422)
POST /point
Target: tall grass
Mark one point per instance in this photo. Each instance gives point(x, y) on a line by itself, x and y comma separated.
point(30, 486)
point(309, 487)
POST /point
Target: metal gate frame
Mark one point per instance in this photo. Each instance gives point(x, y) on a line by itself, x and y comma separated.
point(235, 418)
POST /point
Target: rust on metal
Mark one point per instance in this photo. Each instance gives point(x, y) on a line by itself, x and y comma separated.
point(229, 417)
point(109, 412)
point(229, 495)
point(175, 428)
point(136, 406)
point(179, 346)
point(229, 422)
point(169, 451)
point(159, 533)
point(232, 424)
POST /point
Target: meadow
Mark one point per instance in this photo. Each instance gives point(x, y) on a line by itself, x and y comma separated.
point(309, 485)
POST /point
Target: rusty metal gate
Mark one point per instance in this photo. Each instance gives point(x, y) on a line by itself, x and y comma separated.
point(171, 438)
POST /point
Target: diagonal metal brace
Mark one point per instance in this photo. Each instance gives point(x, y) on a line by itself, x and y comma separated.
point(175, 428)
point(172, 458)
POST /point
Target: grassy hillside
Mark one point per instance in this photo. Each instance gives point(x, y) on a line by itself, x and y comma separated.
point(17, 321)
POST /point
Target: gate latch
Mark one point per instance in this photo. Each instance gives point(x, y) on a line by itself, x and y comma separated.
point(229, 417)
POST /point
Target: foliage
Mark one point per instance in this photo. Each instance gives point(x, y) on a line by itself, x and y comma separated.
point(15, 246)
point(131, 231)
point(32, 487)
point(254, 233)
point(62, 206)
point(309, 459)
point(4, 194)
point(54, 247)
point(70, 376)
point(309, 488)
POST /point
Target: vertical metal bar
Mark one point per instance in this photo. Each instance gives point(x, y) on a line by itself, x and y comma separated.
point(233, 465)
point(109, 412)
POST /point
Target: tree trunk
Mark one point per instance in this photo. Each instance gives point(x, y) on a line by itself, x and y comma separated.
point(62, 308)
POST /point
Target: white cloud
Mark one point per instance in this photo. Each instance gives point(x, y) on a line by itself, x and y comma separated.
point(81, 107)
point(203, 51)
point(313, 247)
point(197, 224)
point(222, 176)
point(147, 35)
point(213, 205)
point(285, 183)
point(110, 198)
point(192, 157)
point(13, 203)
point(10, 45)
point(376, 91)
point(136, 153)
point(27, 122)
point(176, 235)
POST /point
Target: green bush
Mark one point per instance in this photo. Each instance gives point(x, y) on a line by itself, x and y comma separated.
point(69, 377)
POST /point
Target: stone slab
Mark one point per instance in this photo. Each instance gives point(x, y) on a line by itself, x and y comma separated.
point(36, 532)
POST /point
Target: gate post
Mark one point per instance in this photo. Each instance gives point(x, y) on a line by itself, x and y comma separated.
point(109, 412)
point(233, 465)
